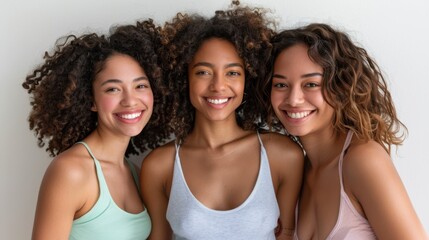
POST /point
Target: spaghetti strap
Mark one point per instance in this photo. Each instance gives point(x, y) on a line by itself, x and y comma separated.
point(340, 161)
point(259, 138)
point(98, 169)
point(88, 149)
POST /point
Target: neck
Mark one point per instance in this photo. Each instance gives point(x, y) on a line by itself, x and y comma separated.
point(322, 148)
point(107, 147)
point(213, 134)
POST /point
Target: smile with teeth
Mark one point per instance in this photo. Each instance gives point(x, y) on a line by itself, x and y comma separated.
point(130, 115)
point(217, 101)
point(297, 115)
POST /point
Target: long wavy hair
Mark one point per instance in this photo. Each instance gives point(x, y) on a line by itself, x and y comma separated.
point(352, 84)
point(61, 88)
point(250, 33)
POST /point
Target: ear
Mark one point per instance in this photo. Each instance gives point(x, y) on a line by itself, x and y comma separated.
point(94, 107)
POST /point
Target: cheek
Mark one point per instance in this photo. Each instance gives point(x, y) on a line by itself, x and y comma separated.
point(194, 90)
point(276, 99)
point(317, 98)
point(105, 103)
point(147, 98)
point(240, 87)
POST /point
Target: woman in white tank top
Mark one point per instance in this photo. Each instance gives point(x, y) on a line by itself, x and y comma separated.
point(220, 179)
point(331, 95)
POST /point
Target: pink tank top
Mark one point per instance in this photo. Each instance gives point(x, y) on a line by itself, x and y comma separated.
point(350, 224)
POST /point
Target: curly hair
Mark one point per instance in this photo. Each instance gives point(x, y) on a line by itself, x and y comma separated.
point(61, 88)
point(250, 33)
point(352, 84)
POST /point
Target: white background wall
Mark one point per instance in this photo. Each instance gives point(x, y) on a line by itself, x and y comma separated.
point(395, 32)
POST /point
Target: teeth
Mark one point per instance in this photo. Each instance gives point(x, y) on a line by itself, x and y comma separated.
point(298, 114)
point(131, 116)
point(217, 101)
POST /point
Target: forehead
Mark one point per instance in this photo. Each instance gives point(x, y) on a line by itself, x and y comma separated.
point(295, 59)
point(121, 67)
point(215, 49)
point(121, 64)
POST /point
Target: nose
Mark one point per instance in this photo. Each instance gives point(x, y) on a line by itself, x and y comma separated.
point(295, 96)
point(129, 98)
point(218, 83)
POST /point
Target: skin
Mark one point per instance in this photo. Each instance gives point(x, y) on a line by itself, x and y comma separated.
point(370, 178)
point(216, 80)
point(123, 101)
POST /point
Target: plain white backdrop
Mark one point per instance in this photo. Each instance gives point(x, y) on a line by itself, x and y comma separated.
point(394, 32)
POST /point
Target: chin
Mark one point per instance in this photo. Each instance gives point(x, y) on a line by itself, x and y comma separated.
point(297, 132)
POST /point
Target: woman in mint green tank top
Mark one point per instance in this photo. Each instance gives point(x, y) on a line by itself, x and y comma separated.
point(101, 92)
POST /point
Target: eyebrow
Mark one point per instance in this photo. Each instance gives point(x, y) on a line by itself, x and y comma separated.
point(308, 75)
point(206, 64)
point(119, 81)
point(315, 74)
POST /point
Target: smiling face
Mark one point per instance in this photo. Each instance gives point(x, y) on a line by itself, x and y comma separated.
point(216, 80)
point(296, 93)
point(123, 98)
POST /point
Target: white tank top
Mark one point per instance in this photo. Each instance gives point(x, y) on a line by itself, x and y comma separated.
point(255, 218)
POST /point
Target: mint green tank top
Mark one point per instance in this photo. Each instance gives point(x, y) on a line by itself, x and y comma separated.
point(108, 221)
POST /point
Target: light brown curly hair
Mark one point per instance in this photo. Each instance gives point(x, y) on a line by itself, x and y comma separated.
point(352, 84)
point(61, 88)
point(250, 33)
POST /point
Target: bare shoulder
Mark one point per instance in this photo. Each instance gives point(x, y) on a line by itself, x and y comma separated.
point(365, 163)
point(373, 183)
point(160, 159)
point(365, 158)
point(281, 146)
point(286, 157)
point(68, 181)
point(72, 167)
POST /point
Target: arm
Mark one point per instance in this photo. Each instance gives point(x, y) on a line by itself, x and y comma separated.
point(155, 181)
point(286, 162)
point(375, 185)
point(60, 196)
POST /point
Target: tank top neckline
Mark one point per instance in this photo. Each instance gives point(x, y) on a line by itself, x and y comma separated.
point(343, 194)
point(262, 161)
point(104, 189)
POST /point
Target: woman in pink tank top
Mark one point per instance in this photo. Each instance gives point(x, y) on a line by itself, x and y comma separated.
point(331, 95)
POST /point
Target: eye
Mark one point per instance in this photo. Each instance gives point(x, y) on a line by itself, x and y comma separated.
point(312, 84)
point(112, 90)
point(279, 85)
point(201, 72)
point(234, 73)
point(143, 85)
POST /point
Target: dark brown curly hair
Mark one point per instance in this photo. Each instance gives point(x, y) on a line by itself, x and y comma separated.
point(352, 84)
point(247, 29)
point(61, 88)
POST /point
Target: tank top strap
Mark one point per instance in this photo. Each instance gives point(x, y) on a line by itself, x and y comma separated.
point(340, 161)
point(259, 138)
point(99, 171)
